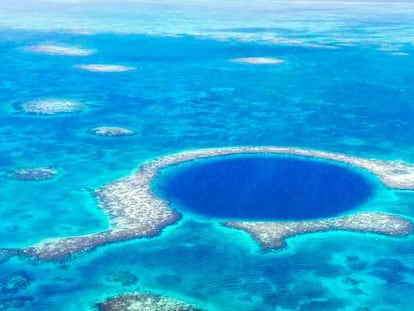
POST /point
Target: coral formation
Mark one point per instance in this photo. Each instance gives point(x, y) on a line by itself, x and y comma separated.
point(15, 282)
point(112, 131)
point(36, 173)
point(104, 68)
point(135, 211)
point(53, 49)
point(124, 278)
point(258, 60)
point(52, 106)
point(145, 302)
point(15, 302)
point(273, 234)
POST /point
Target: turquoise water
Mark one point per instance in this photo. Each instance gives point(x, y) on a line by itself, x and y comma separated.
point(345, 86)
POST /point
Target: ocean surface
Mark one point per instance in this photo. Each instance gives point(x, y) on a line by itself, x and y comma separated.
point(346, 86)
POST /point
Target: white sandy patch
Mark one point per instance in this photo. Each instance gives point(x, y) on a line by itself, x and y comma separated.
point(399, 54)
point(258, 60)
point(104, 68)
point(112, 131)
point(52, 106)
point(60, 50)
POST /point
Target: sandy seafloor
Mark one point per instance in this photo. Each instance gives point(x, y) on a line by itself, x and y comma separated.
point(346, 86)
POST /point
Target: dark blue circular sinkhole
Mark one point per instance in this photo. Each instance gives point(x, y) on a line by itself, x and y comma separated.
point(263, 187)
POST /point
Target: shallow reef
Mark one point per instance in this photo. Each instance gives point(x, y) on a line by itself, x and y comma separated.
point(4, 256)
point(104, 68)
point(52, 106)
point(145, 302)
point(12, 303)
point(273, 234)
point(258, 60)
point(124, 278)
point(35, 173)
point(112, 131)
point(135, 211)
point(63, 50)
point(15, 282)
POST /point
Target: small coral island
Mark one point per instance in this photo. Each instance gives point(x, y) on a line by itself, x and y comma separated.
point(258, 60)
point(135, 211)
point(104, 68)
point(52, 106)
point(112, 131)
point(53, 49)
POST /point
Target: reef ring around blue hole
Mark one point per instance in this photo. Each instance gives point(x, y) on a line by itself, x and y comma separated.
point(263, 187)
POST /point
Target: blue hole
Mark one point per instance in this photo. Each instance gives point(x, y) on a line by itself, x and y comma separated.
point(262, 187)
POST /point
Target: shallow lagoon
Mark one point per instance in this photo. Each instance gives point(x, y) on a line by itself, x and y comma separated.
point(356, 99)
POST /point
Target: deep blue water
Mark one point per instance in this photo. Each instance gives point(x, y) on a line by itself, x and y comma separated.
point(255, 187)
point(345, 86)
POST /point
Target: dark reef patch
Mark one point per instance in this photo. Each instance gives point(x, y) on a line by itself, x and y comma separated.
point(263, 187)
point(124, 278)
point(355, 263)
point(15, 302)
point(327, 304)
point(15, 282)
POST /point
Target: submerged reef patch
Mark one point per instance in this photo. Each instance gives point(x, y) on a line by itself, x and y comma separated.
point(135, 211)
point(399, 54)
point(112, 131)
point(258, 60)
point(104, 68)
point(145, 302)
point(52, 106)
point(4, 256)
point(36, 173)
point(63, 50)
point(15, 302)
point(15, 282)
point(124, 278)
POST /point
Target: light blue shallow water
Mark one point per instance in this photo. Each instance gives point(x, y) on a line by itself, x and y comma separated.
point(345, 86)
